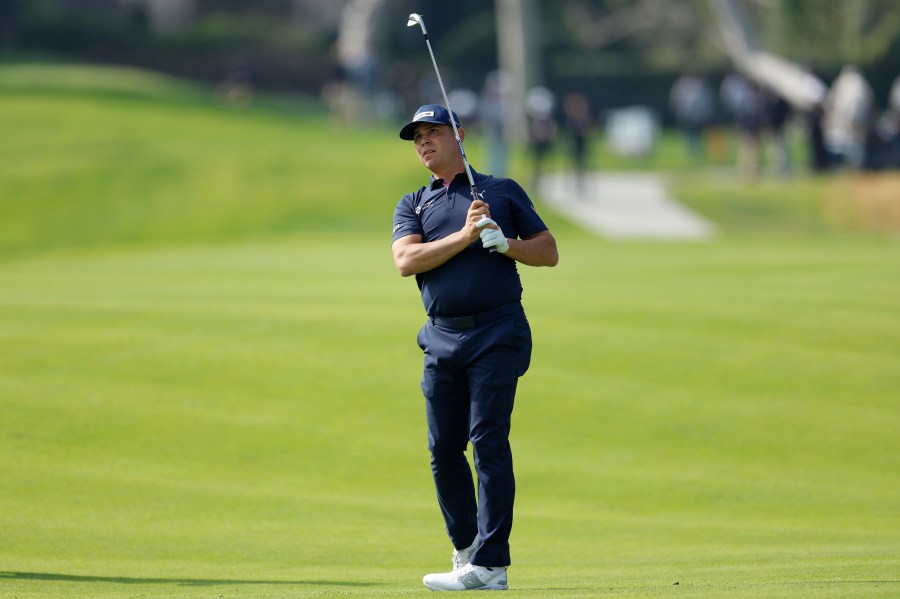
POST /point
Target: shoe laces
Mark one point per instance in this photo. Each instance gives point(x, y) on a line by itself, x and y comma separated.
point(460, 558)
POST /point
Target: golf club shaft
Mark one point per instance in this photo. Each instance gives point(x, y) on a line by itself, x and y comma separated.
point(475, 194)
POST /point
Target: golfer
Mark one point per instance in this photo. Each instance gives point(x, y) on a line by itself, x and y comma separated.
point(477, 341)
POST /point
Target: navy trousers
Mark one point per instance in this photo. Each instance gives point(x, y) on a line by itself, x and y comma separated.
point(469, 383)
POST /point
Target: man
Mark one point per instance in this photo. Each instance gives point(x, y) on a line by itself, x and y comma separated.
point(477, 341)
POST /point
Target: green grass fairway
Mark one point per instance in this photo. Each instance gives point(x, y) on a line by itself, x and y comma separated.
point(209, 380)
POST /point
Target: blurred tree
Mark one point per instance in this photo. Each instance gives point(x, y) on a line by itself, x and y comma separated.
point(827, 34)
point(741, 41)
point(606, 37)
point(778, 43)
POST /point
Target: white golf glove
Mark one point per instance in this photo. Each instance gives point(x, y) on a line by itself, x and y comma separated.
point(492, 238)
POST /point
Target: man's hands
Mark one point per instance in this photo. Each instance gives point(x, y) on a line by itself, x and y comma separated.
point(492, 236)
point(480, 224)
point(478, 211)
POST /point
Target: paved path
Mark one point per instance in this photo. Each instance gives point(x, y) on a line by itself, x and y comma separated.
point(624, 206)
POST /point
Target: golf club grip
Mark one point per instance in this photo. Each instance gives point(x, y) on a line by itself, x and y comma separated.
point(476, 194)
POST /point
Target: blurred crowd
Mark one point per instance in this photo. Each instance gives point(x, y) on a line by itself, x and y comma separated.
point(844, 127)
point(354, 96)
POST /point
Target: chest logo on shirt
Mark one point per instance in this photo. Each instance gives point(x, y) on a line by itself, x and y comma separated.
point(423, 207)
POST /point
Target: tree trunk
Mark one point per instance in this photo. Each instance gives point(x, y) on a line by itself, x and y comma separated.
point(518, 51)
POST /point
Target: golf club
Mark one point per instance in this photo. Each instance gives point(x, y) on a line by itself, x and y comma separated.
point(415, 19)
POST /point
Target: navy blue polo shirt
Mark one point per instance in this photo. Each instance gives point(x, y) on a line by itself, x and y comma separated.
point(475, 280)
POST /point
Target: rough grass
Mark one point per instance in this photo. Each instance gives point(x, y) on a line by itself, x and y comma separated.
point(80, 169)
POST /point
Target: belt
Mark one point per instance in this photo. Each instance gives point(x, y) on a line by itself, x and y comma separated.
point(467, 322)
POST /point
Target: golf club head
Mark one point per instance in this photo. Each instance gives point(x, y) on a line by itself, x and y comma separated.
point(416, 19)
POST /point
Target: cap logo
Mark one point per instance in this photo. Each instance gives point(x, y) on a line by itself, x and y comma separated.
point(423, 115)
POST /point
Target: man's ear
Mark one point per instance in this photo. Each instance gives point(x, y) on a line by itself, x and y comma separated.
point(462, 133)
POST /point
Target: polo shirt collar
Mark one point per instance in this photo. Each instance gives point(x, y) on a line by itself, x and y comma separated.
point(437, 183)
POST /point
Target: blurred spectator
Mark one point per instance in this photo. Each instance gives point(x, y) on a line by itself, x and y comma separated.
point(237, 88)
point(579, 121)
point(848, 112)
point(402, 77)
point(465, 103)
point(820, 157)
point(894, 106)
point(894, 98)
point(542, 128)
point(693, 106)
point(732, 91)
point(883, 140)
point(493, 115)
point(354, 49)
point(881, 144)
point(337, 94)
point(751, 120)
point(778, 112)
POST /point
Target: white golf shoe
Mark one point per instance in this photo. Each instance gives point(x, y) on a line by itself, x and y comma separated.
point(468, 578)
point(461, 557)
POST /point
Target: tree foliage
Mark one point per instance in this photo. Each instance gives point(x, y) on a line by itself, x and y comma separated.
point(829, 33)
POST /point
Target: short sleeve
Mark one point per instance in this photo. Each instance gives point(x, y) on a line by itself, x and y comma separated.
point(527, 220)
point(406, 222)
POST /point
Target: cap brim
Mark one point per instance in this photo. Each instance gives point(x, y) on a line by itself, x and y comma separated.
point(408, 130)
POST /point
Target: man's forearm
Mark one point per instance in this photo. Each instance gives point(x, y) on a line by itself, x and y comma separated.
point(538, 250)
point(417, 257)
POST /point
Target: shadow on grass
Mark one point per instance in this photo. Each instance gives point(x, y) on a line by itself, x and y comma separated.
point(202, 582)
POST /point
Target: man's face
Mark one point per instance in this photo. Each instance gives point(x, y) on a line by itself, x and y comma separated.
point(436, 146)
